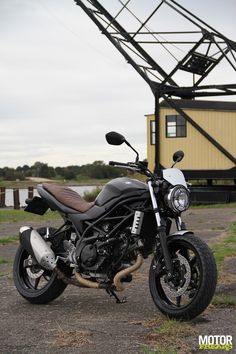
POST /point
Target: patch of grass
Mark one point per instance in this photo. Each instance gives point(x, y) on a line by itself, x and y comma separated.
point(17, 184)
point(146, 350)
point(223, 250)
point(91, 196)
point(213, 206)
point(231, 238)
point(160, 350)
point(224, 300)
point(168, 337)
point(174, 327)
point(3, 261)
point(71, 338)
point(217, 228)
point(226, 247)
point(5, 240)
point(13, 215)
point(79, 181)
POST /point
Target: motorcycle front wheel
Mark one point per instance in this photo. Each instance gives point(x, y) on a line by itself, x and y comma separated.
point(34, 283)
point(189, 291)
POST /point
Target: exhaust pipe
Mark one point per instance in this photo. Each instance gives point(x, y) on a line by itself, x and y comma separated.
point(87, 283)
point(35, 245)
point(117, 279)
point(123, 273)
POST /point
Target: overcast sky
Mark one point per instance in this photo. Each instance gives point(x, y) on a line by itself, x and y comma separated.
point(63, 85)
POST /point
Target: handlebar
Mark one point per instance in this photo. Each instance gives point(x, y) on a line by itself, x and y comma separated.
point(130, 165)
point(138, 167)
point(115, 163)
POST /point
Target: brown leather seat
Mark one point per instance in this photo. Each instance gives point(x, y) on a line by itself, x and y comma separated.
point(68, 197)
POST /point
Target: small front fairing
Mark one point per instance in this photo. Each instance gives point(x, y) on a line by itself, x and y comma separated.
point(174, 176)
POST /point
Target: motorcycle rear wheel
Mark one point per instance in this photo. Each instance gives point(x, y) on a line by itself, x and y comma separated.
point(35, 284)
point(190, 292)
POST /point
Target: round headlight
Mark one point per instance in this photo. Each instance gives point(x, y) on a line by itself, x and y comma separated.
point(178, 199)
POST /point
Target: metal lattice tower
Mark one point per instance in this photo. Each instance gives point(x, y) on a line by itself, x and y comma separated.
point(167, 58)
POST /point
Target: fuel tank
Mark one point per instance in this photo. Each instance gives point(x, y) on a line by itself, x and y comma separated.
point(118, 187)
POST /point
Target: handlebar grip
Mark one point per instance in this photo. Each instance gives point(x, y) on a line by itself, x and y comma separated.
point(115, 163)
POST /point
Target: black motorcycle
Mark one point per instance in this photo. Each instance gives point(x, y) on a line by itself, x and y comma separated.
point(101, 243)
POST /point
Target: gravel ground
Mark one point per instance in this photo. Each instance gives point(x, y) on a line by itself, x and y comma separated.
point(89, 321)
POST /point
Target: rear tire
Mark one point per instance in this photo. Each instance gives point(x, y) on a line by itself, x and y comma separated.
point(194, 284)
point(35, 284)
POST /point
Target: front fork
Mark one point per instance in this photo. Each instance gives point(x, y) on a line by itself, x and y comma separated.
point(161, 227)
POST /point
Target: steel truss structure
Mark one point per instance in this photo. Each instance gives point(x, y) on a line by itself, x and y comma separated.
point(164, 59)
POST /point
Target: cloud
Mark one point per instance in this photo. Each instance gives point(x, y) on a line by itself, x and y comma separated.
point(63, 86)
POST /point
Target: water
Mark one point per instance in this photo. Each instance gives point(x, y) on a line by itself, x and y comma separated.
point(24, 194)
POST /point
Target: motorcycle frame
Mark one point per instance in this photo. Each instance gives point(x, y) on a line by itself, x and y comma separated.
point(82, 223)
point(78, 222)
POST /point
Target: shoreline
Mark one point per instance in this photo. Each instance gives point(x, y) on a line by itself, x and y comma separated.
point(25, 184)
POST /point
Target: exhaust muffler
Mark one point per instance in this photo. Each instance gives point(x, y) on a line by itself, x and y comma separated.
point(35, 245)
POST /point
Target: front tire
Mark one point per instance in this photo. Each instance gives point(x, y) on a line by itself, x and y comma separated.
point(34, 283)
point(191, 290)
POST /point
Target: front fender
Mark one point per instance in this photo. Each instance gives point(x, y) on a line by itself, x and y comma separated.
point(181, 233)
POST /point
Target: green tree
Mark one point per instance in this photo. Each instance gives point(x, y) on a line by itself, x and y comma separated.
point(40, 169)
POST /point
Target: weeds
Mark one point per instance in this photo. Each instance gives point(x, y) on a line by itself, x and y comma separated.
point(71, 338)
point(91, 196)
point(12, 215)
point(160, 350)
point(213, 206)
point(164, 334)
point(160, 340)
point(224, 300)
point(226, 247)
point(3, 261)
point(5, 240)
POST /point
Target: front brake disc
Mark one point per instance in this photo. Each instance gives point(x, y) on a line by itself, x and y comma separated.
point(169, 288)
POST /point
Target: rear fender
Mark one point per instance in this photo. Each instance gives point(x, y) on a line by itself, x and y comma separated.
point(37, 205)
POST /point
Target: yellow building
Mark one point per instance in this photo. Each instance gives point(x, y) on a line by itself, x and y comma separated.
point(208, 138)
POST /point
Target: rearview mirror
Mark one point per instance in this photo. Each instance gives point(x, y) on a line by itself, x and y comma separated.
point(178, 156)
point(114, 138)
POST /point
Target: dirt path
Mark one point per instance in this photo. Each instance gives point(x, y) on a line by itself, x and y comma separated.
point(88, 321)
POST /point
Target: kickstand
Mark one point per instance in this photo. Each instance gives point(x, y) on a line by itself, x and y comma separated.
point(113, 294)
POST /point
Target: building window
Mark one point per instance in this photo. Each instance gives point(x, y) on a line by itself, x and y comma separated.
point(153, 132)
point(176, 126)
